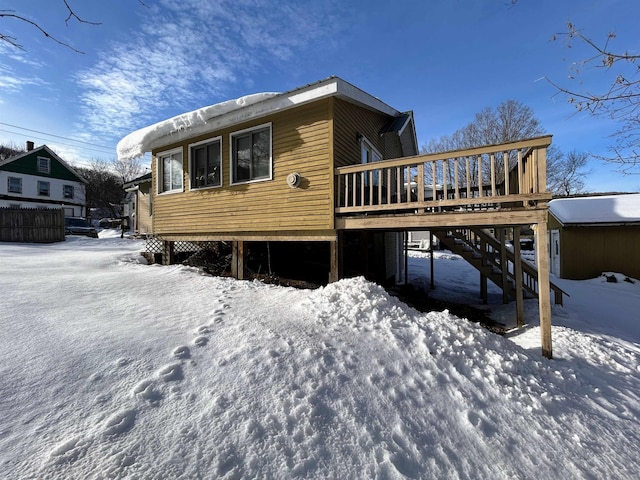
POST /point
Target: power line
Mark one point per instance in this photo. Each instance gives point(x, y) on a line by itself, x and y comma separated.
point(111, 149)
point(35, 137)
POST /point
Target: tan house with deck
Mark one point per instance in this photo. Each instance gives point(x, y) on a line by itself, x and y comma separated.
point(330, 167)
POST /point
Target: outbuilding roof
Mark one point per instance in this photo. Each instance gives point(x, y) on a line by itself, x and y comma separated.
point(606, 209)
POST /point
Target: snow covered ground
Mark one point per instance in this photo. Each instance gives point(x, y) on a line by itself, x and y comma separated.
point(110, 368)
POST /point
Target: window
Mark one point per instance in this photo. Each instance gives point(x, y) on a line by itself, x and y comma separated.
point(206, 164)
point(15, 185)
point(170, 171)
point(44, 165)
point(251, 155)
point(67, 191)
point(369, 154)
point(44, 188)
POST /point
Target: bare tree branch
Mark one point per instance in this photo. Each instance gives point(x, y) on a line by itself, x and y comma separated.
point(13, 41)
point(620, 101)
point(72, 14)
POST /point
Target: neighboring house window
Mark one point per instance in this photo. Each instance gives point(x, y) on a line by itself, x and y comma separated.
point(44, 188)
point(14, 205)
point(206, 164)
point(15, 185)
point(170, 173)
point(251, 155)
point(67, 191)
point(44, 165)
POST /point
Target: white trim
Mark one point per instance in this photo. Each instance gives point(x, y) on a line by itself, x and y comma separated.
point(245, 130)
point(159, 181)
point(9, 177)
point(38, 190)
point(73, 192)
point(192, 169)
point(364, 141)
point(48, 169)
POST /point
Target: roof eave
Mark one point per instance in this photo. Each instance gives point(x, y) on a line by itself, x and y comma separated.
point(330, 87)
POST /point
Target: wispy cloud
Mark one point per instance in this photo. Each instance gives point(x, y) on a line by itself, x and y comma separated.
point(12, 81)
point(186, 53)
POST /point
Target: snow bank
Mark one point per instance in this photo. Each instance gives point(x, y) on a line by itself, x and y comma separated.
point(180, 127)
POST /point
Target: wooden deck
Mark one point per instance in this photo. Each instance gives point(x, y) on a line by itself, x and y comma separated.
point(496, 186)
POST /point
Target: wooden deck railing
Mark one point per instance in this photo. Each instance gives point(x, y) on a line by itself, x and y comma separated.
point(489, 177)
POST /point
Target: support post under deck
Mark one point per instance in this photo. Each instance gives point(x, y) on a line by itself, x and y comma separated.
point(517, 271)
point(237, 259)
point(544, 294)
point(334, 259)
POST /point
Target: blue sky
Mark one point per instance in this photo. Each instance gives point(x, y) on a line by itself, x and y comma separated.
point(444, 59)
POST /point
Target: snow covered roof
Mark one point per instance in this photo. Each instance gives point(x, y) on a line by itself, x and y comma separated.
point(231, 112)
point(609, 209)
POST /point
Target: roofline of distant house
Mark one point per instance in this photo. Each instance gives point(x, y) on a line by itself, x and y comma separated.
point(50, 152)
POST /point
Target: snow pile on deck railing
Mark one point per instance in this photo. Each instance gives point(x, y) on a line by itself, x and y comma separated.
point(181, 126)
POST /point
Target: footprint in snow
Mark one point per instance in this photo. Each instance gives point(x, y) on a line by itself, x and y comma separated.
point(200, 341)
point(203, 330)
point(69, 451)
point(146, 391)
point(171, 372)
point(121, 362)
point(182, 353)
point(120, 422)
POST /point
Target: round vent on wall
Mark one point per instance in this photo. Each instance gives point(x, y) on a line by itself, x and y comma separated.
point(294, 179)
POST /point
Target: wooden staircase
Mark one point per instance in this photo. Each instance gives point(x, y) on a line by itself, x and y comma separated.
point(487, 255)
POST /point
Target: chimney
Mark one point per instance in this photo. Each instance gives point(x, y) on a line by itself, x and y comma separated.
point(30, 145)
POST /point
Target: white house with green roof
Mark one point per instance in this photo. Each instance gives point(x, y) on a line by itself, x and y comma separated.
point(39, 178)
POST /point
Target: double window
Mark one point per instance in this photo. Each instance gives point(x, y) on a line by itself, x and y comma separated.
point(44, 165)
point(170, 173)
point(251, 155)
point(44, 188)
point(206, 164)
point(67, 191)
point(15, 185)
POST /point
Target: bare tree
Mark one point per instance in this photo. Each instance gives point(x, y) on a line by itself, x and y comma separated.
point(619, 101)
point(10, 150)
point(104, 187)
point(20, 17)
point(128, 169)
point(509, 122)
point(566, 173)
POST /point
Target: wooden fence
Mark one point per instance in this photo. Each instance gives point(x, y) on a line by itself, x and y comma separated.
point(42, 225)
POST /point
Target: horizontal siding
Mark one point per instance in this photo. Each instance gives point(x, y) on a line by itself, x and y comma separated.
point(349, 121)
point(300, 142)
point(586, 252)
